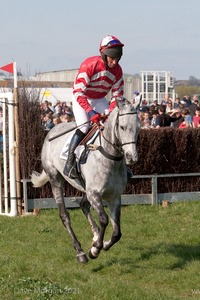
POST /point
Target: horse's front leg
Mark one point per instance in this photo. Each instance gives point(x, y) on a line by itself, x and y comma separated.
point(65, 217)
point(115, 212)
point(103, 222)
point(85, 207)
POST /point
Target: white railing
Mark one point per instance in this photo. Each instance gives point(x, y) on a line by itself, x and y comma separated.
point(8, 200)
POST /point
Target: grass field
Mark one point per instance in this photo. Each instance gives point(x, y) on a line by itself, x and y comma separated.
point(158, 256)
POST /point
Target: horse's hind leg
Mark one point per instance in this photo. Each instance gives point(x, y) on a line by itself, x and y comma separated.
point(85, 207)
point(115, 210)
point(57, 190)
point(65, 217)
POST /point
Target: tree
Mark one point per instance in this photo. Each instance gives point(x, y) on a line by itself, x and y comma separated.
point(193, 81)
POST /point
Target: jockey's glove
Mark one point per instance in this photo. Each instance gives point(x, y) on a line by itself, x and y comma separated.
point(94, 116)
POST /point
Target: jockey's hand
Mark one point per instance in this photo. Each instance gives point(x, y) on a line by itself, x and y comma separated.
point(104, 117)
point(94, 116)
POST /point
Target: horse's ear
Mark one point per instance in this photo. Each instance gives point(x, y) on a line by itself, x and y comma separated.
point(138, 102)
point(121, 101)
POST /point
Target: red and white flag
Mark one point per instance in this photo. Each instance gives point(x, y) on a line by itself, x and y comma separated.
point(8, 68)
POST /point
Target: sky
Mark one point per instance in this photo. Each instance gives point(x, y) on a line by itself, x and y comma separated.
point(48, 35)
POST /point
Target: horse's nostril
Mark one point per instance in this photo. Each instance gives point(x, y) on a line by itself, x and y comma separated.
point(128, 155)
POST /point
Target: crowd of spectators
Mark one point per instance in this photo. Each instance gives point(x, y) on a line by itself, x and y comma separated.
point(178, 114)
point(52, 115)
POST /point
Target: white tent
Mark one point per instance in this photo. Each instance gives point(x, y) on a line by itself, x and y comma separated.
point(56, 94)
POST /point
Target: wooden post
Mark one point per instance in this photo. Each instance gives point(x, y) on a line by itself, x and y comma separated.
point(165, 203)
point(154, 190)
point(16, 122)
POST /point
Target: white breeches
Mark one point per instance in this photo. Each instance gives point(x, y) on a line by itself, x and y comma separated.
point(99, 105)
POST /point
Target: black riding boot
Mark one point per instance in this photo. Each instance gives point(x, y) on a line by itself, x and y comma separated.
point(70, 166)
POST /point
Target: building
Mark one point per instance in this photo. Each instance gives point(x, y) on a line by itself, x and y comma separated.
point(153, 85)
point(131, 82)
point(156, 85)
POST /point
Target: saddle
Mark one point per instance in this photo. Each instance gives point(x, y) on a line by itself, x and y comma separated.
point(83, 149)
point(89, 138)
point(86, 141)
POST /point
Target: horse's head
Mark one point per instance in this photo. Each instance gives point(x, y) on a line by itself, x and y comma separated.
point(128, 127)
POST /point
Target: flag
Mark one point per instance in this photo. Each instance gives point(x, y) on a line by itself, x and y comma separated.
point(8, 68)
point(47, 93)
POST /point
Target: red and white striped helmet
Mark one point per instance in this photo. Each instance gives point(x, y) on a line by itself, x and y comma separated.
point(111, 46)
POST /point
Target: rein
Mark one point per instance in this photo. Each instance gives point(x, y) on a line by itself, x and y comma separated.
point(109, 156)
point(115, 146)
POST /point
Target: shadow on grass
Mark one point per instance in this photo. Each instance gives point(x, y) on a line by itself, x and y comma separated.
point(183, 253)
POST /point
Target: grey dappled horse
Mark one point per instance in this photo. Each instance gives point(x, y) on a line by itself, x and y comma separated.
point(104, 173)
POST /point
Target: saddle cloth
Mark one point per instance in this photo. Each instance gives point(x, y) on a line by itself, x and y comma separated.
point(80, 148)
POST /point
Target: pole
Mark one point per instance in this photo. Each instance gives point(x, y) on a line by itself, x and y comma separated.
point(13, 201)
point(16, 122)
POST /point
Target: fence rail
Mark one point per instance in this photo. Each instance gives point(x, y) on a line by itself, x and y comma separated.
point(154, 198)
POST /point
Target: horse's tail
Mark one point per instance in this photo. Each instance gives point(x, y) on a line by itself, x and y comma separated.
point(38, 179)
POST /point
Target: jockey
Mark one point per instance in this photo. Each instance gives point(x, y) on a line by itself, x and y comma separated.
point(97, 76)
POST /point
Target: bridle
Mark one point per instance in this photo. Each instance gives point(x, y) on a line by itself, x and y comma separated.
point(120, 115)
point(118, 147)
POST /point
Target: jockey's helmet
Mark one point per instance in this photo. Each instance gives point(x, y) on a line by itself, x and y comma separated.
point(111, 46)
point(136, 93)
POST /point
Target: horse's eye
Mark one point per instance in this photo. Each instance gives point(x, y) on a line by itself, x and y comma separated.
point(122, 127)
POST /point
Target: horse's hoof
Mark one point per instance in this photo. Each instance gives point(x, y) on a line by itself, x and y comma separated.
point(82, 258)
point(91, 255)
point(106, 246)
point(94, 253)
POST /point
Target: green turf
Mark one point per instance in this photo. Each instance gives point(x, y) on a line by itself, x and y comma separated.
point(158, 256)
